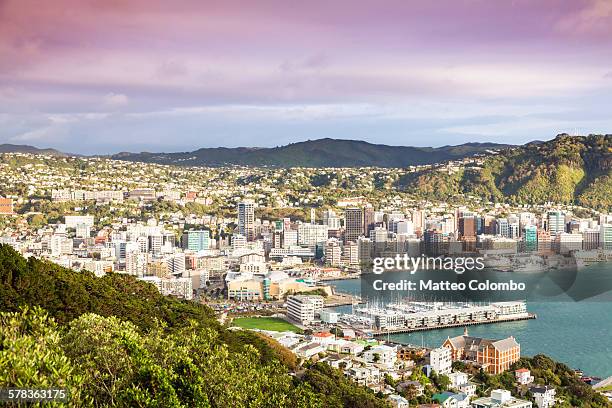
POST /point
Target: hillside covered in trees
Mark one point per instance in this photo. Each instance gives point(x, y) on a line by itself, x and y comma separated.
point(115, 341)
point(325, 152)
point(567, 169)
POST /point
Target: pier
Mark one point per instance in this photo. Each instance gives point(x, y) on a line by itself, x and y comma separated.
point(378, 333)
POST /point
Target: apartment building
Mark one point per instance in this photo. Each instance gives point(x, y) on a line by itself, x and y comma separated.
point(303, 308)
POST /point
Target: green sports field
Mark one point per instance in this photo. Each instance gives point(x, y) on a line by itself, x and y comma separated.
point(265, 323)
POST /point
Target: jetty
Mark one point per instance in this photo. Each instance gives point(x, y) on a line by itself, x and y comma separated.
point(397, 330)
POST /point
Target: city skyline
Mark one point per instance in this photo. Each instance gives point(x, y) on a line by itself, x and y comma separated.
point(100, 77)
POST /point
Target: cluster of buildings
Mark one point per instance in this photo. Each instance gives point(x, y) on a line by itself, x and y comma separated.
point(182, 228)
point(352, 238)
point(261, 258)
point(371, 363)
point(150, 238)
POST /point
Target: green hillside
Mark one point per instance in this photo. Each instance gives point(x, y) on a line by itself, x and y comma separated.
point(316, 153)
point(116, 342)
point(568, 169)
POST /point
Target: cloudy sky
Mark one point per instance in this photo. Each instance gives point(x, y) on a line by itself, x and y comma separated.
point(111, 75)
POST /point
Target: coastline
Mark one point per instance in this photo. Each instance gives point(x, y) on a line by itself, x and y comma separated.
point(561, 324)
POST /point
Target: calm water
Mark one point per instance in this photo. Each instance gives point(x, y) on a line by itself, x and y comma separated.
point(578, 334)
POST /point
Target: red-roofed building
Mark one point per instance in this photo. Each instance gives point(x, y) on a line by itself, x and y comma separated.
point(323, 338)
point(523, 376)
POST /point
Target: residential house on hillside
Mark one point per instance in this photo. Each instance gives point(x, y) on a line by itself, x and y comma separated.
point(544, 395)
point(448, 399)
point(500, 399)
point(523, 376)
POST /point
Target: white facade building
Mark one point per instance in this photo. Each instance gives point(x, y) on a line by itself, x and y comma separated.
point(500, 399)
point(544, 396)
point(440, 360)
point(303, 308)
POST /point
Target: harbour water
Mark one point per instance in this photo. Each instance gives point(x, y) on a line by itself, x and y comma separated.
point(578, 334)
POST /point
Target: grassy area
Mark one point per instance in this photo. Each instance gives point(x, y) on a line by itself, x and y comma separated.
point(265, 323)
point(605, 389)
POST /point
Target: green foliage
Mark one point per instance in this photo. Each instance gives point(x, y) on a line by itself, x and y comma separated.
point(432, 184)
point(443, 382)
point(459, 366)
point(419, 375)
point(115, 341)
point(565, 170)
point(338, 391)
point(569, 387)
point(31, 354)
point(66, 294)
point(318, 291)
point(597, 193)
point(561, 170)
point(315, 153)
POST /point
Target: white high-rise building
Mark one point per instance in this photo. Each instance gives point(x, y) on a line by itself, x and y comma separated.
point(605, 237)
point(333, 252)
point(350, 254)
point(331, 220)
point(136, 263)
point(246, 219)
point(176, 264)
point(568, 242)
point(155, 243)
point(404, 227)
point(311, 234)
point(83, 231)
point(290, 238)
point(556, 222)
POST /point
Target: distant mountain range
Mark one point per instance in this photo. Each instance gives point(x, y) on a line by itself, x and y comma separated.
point(567, 169)
point(316, 153)
point(13, 148)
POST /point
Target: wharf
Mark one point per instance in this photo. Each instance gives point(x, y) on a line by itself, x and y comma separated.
point(450, 325)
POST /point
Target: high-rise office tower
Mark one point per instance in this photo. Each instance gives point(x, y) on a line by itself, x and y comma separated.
point(502, 227)
point(246, 219)
point(198, 240)
point(368, 221)
point(530, 237)
point(605, 237)
point(556, 222)
point(467, 226)
point(353, 224)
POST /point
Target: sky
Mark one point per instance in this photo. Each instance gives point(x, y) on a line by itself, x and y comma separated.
point(104, 76)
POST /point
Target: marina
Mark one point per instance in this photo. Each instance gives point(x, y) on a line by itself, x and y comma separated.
point(451, 325)
point(410, 316)
point(561, 324)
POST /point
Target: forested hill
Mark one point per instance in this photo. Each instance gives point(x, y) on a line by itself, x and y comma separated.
point(13, 148)
point(116, 342)
point(316, 153)
point(567, 169)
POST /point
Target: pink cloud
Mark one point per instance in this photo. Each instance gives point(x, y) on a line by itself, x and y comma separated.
point(594, 19)
point(186, 52)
